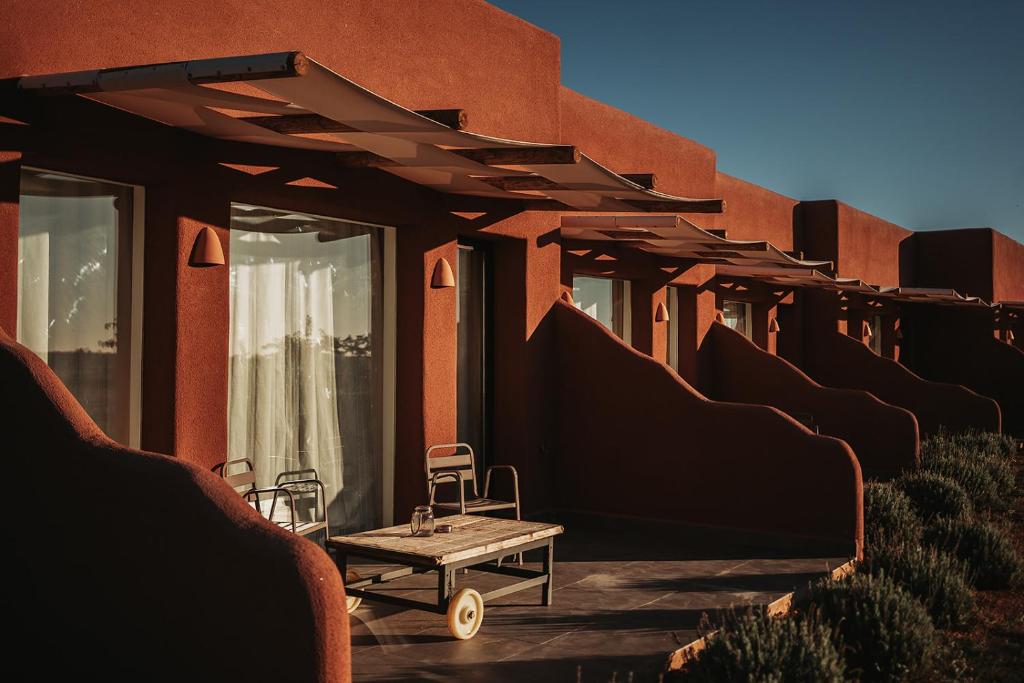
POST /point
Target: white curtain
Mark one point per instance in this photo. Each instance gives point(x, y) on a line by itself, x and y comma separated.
point(305, 375)
point(282, 392)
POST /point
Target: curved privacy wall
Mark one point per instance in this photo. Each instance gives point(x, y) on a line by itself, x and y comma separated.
point(137, 566)
point(664, 451)
point(837, 360)
point(883, 436)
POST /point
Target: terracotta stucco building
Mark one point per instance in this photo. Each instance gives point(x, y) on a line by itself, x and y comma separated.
point(618, 304)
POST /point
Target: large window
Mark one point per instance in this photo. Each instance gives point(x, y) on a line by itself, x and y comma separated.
point(605, 300)
point(737, 316)
point(311, 346)
point(79, 291)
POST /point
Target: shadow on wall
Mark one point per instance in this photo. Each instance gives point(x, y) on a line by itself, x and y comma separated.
point(136, 566)
point(884, 437)
point(837, 360)
point(635, 439)
point(997, 370)
point(986, 365)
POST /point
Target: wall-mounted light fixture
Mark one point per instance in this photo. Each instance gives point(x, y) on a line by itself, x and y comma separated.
point(868, 332)
point(1009, 336)
point(661, 313)
point(443, 275)
point(206, 250)
point(719, 318)
point(567, 298)
point(773, 326)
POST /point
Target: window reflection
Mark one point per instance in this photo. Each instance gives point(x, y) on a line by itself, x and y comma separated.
point(603, 299)
point(737, 316)
point(74, 288)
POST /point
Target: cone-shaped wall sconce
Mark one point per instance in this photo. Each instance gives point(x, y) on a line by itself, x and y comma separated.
point(206, 250)
point(773, 326)
point(567, 298)
point(661, 313)
point(1009, 336)
point(443, 275)
point(719, 318)
point(868, 332)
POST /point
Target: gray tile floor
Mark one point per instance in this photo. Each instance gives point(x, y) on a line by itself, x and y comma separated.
point(620, 607)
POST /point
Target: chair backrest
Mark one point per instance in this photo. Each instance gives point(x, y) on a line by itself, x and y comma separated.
point(242, 482)
point(461, 459)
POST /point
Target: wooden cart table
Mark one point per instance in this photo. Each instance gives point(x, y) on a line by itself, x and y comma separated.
point(475, 541)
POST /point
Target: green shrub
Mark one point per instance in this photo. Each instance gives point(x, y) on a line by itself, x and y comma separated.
point(1004, 473)
point(935, 495)
point(757, 647)
point(974, 473)
point(988, 443)
point(935, 578)
point(889, 516)
point(887, 633)
point(986, 548)
point(994, 452)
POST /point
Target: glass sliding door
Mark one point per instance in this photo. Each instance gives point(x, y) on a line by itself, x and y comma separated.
point(737, 315)
point(672, 329)
point(605, 300)
point(307, 355)
point(473, 376)
point(78, 257)
point(876, 334)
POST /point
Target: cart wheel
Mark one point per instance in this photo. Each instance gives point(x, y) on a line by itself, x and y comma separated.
point(465, 614)
point(352, 602)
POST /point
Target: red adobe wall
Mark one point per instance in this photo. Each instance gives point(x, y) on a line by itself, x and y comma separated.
point(153, 583)
point(627, 144)
point(635, 439)
point(863, 246)
point(955, 259)
point(872, 249)
point(884, 437)
point(953, 344)
point(755, 213)
point(443, 53)
point(837, 360)
point(976, 261)
point(1007, 268)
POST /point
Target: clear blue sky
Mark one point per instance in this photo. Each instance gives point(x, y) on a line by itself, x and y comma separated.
point(910, 110)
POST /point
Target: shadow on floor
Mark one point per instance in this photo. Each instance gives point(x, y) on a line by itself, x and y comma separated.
point(627, 594)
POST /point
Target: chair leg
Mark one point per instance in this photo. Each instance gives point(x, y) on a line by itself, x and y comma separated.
point(518, 518)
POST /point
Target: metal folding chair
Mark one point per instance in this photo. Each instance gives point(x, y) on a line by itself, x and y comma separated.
point(459, 468)
point(289, 485)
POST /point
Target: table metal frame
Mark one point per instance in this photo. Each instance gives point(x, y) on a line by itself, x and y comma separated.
point(446, 574)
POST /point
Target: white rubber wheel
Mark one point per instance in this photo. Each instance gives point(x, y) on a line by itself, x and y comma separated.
point(465, 614)
point(352, 602)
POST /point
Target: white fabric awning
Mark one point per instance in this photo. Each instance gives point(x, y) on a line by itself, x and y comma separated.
point(247, 99)
point(676, 237)
point(946, 297)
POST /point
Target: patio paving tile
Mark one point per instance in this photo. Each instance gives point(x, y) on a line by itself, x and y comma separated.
point(616, 610)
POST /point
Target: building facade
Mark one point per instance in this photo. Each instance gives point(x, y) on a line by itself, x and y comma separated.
point(716, 367)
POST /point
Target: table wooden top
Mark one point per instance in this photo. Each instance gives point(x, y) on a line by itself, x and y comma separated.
point(471, 536)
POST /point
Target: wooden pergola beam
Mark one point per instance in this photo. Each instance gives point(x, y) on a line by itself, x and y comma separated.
point(519, 183)
point(678, 205)
point(456, 119)
point(489, 156)
point(648, 181)
point(297, 124)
